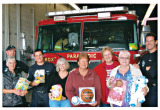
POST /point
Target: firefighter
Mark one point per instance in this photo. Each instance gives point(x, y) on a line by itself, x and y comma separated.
point(60, 44)
point(148, 66)
point(41, 89)
point(20, 66)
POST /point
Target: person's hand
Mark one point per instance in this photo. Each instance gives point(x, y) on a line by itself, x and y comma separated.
point(23, 92)
point(50, 96)
point(94, 104)
point(136, 66)
point(144, 90)
point(111, 80)
point(72, 70)
point(17, 91)
point(34, 83)
point(63, 98)
point(147, 68)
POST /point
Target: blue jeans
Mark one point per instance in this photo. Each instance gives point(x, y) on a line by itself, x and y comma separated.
point(62, 103)
point(105, 105)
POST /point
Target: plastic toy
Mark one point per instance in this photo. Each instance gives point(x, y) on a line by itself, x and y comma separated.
point(37, 81)
point(87, 95)
point(56, 92)
point(75, 100)
point(138, 94)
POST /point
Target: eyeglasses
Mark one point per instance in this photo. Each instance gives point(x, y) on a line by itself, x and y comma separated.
point(107, 55)
point(83, 61)
point(124, 58)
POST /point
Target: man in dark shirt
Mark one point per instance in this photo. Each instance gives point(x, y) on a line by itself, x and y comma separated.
point(44, 72)
point(148, 66)
point(20, 66)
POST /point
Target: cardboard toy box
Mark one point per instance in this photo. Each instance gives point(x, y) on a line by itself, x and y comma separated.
point(56, 92)
point(87, 95)
point(22, 84)
point(117, 92)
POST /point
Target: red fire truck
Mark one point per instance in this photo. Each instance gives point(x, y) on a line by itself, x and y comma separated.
point(68, 33)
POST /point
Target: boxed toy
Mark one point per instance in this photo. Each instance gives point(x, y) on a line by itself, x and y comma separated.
point(117, 92)
point(56, 92)
point(86, 95)
point(40, 75)
point(22, 84)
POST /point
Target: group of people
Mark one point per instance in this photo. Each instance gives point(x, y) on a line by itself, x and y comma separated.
point(101, 78)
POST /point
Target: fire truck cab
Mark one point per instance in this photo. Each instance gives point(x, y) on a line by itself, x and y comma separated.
point(68, 33)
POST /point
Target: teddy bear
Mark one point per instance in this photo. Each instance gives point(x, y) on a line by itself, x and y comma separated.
point(137, 90)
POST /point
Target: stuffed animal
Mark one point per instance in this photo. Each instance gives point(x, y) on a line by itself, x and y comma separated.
point(138, 94)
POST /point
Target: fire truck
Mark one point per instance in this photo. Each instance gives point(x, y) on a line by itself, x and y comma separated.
point(68, 33)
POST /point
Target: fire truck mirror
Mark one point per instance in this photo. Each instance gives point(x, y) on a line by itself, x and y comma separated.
point(137, 56)
point(145, 30)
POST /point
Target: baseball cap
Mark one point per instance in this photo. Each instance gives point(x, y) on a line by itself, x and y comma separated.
point(10, 47)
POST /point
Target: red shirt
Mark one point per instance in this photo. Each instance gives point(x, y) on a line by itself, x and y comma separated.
point(76, 80)
point(102, 73)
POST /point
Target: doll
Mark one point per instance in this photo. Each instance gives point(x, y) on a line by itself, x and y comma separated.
point(117, 91)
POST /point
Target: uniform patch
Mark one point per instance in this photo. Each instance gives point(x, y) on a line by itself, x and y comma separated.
point(6, 69)
point(143, 63)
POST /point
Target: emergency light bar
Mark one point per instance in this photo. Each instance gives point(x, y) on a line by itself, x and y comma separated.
point(94, 10)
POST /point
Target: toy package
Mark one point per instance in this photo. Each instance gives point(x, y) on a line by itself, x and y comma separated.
point(22, 84)
point(86, 95)
point(117, 92)
point(56, 92)
point(40, 76)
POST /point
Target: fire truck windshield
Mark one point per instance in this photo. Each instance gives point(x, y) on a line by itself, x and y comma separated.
point(115, 34)
point(59, 37)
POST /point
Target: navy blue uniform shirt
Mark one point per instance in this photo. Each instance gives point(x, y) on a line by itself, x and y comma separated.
point(48, 69)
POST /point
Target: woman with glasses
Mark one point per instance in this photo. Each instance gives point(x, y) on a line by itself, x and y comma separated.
point(83, 77)
point(127, 72)
point(103, 70)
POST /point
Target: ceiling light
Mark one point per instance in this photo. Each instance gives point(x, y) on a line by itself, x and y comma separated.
point(74, 6)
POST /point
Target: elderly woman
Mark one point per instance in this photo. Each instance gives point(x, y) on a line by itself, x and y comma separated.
point(60, 78)
point(83, 77)
point(12, 97)
point(127, 72)
point(103, 70)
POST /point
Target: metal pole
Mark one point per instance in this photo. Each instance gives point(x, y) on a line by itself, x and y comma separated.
point(6, 25)
point(33, 61)
point(18, 30)
point(33, 29)
point(18, 23)
point(6, 29)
